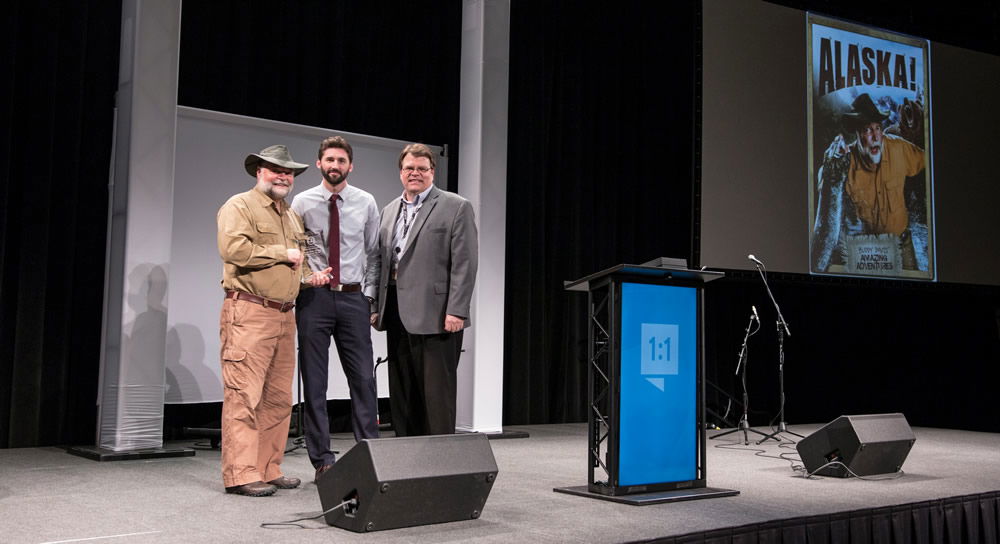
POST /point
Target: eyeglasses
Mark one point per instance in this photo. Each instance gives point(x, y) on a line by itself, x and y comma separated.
point(419, 169)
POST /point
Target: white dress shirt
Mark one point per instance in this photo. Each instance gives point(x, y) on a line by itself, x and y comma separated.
point(359, 221)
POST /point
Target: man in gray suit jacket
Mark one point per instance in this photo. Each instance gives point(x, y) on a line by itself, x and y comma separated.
point(429, 253)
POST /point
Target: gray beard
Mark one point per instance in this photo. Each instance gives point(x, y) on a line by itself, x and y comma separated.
point(868, 160)
point(269, 191)
point(875, 159)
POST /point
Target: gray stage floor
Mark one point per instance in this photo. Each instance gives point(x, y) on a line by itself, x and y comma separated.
point(47, 495)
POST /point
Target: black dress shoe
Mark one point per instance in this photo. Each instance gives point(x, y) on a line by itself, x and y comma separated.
point(253, 489)
point(321, 470)
point(285, 482)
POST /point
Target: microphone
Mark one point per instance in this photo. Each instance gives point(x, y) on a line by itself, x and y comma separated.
point(754, 259)
point(755, 316)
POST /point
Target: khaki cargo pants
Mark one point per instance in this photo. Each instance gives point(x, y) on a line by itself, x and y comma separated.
point(258, 363)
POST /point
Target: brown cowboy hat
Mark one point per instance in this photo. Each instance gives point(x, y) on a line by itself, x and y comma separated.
point(277, 155)
point(863, 111)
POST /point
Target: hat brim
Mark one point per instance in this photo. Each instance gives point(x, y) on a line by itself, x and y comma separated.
point(855, 116)
point(864, 111)
point(253, 159)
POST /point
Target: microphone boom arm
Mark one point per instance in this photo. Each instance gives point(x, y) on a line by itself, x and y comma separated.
point(781, 318)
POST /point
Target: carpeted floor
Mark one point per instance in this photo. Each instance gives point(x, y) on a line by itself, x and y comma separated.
point(48, 495)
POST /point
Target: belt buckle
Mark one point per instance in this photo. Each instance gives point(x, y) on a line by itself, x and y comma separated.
point(285, 306)
point(340, 287)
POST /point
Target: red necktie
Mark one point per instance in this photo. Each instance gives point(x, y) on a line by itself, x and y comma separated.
point(333, 241)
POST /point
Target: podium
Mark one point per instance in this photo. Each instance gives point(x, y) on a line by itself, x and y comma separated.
point(646, 422)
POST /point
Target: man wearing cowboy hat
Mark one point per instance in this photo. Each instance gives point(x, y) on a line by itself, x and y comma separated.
point(861, 185)
point(259, 240)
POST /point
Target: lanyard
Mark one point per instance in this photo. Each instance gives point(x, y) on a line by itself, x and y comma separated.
point(409, 216)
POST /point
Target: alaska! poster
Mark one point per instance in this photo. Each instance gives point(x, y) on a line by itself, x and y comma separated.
point(870, 178)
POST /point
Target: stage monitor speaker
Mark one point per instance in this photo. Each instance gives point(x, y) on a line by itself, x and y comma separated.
point(402, 482)
point(867, 445)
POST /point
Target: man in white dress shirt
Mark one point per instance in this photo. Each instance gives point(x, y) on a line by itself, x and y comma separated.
point(341, 223)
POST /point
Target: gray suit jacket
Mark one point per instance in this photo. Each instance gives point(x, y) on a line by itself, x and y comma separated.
point(438, 269)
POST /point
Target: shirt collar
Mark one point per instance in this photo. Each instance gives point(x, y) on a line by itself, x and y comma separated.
point(266, 201)
point(420, 198)
point(344, 193)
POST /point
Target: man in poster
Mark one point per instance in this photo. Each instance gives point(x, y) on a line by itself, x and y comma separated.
point(861, 187)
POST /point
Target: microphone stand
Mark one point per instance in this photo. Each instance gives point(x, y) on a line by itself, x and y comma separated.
point(744, 424)
point(782, 326)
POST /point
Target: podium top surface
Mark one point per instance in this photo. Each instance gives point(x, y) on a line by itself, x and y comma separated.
point(650, 272)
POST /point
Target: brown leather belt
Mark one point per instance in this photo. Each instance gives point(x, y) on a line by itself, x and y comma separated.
point(267, 303)
point(345, 288)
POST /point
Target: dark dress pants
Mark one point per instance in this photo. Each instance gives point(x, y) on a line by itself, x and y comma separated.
point(423, 383)
point(320, 315)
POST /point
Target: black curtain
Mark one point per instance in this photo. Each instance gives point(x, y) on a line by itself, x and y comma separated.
point(59, 76)
point(599, 172)
point(858, 346)
point(388, 69)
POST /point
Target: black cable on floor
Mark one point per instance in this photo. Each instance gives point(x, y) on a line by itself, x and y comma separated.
point(292, 522)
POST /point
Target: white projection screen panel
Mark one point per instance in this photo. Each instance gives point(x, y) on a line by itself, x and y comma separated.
point(755, 146)
point(211, 147)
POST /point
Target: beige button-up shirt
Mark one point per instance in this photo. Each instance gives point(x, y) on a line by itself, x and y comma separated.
point(254, 235)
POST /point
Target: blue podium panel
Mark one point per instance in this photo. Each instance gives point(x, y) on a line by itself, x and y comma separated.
point(659, 378)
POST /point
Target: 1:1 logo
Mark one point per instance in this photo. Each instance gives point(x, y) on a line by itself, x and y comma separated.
point(664, 349)
point(659, 349)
